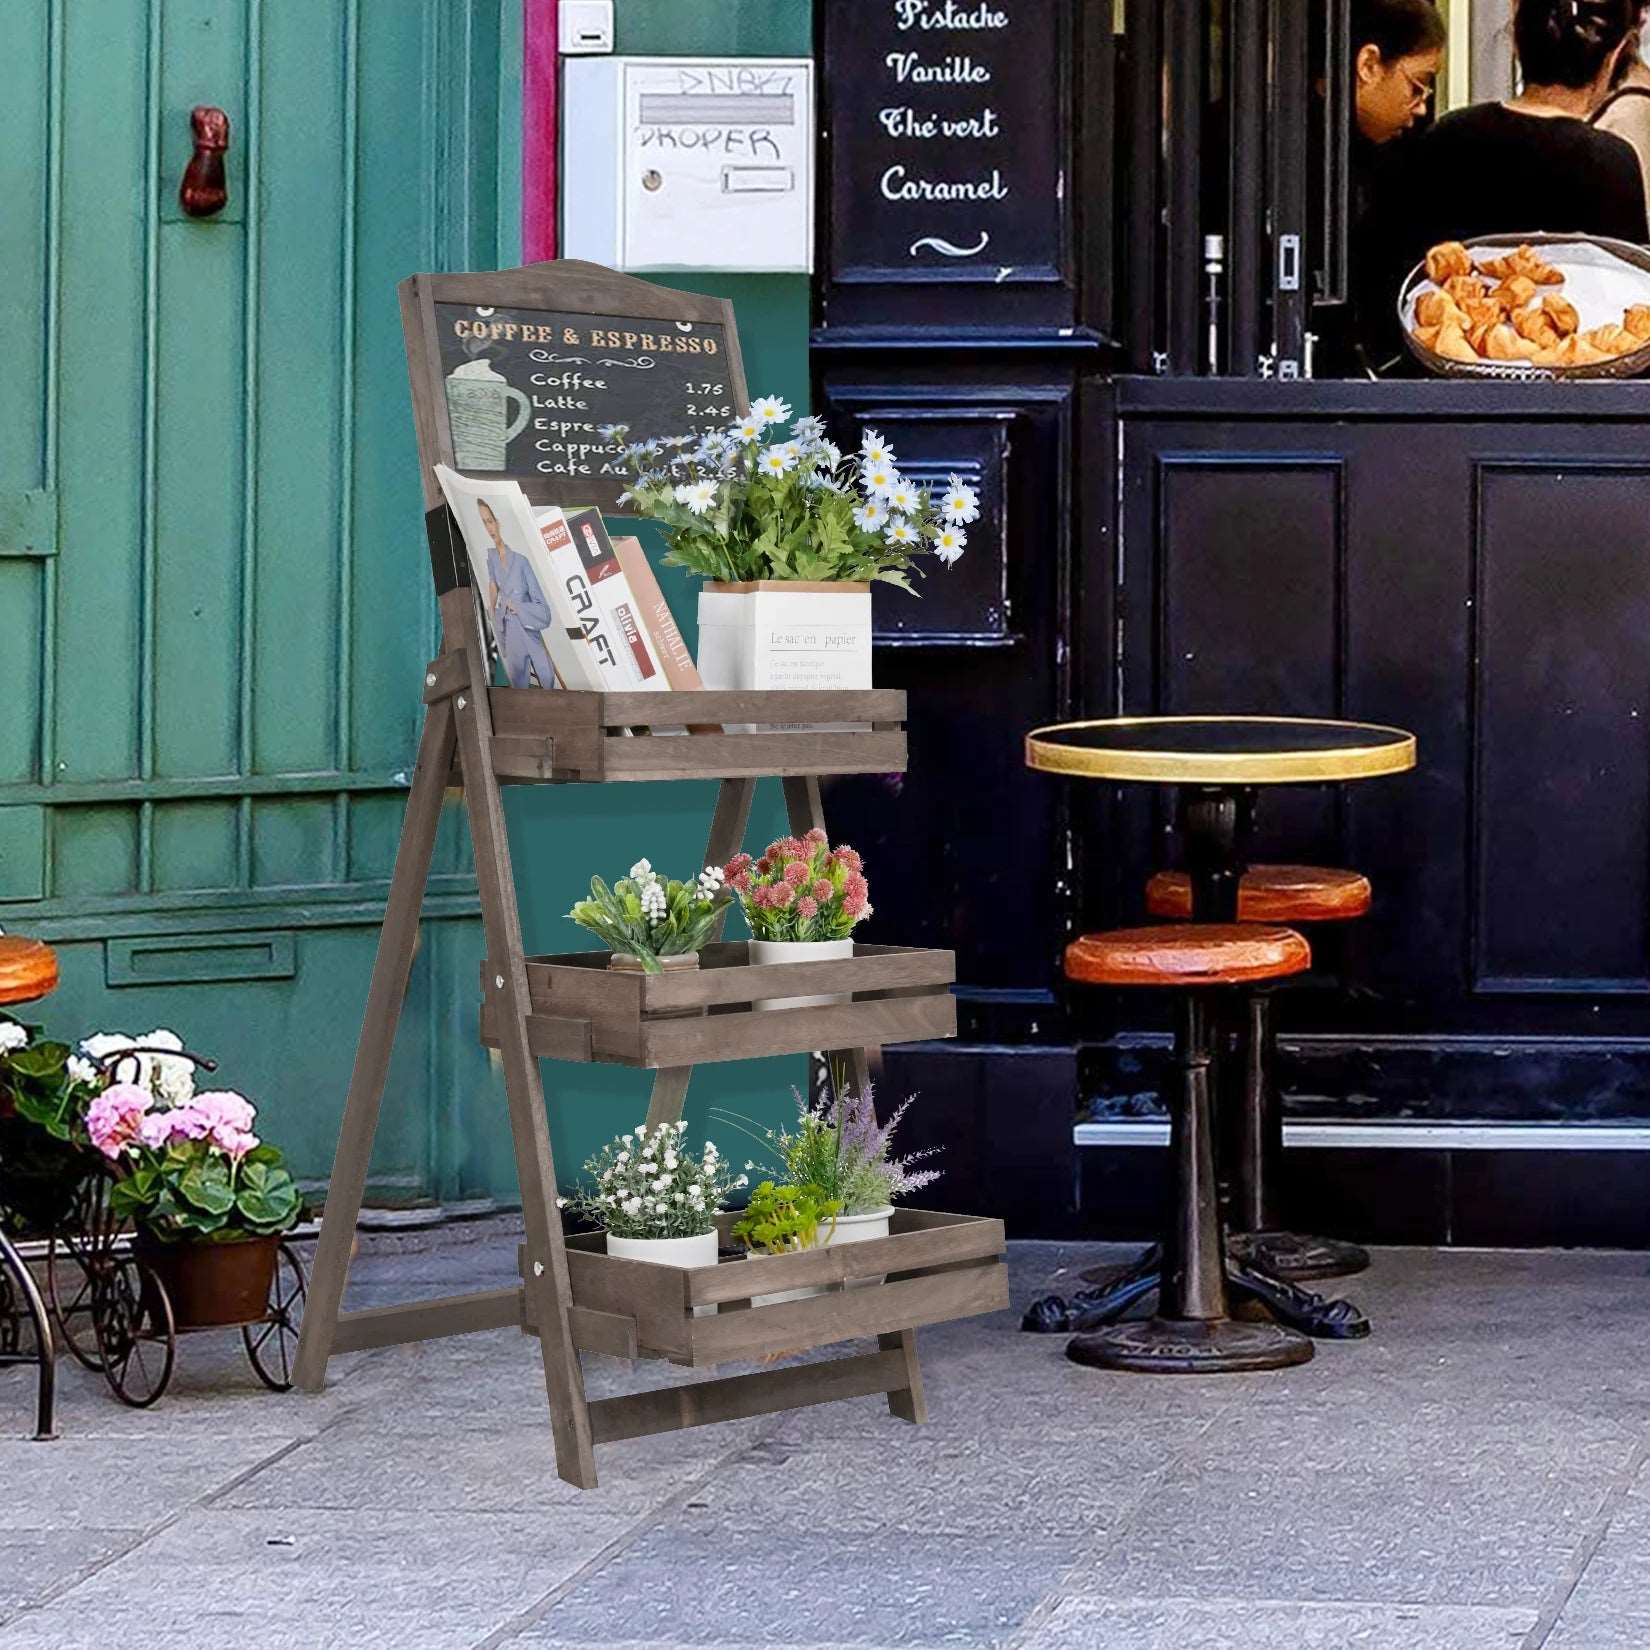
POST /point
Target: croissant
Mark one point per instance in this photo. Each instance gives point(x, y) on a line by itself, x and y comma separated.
point(1514, 292)
point(1637, 321)
point(1504, 344)
point(1542, 272)
point(1447, 259)
point(1464, 289)
point(1564, 315)
point(1433, 308)
point(1452, 345)
point(1611, 340)
point(1497, 268)
point(1478, 313)
point(1535, 324)
point(1550, 355)
point(1576, 351)
point(1427, 336)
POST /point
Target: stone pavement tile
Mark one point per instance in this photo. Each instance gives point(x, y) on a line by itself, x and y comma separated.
point(116, 1483)
point(33, 1562)
point(1353, 1507)
point(698, 1580)
point(319, 1581)
point(1610, 1607)
point(1085, 1622)
point(480, 1469)
point(997, 1489)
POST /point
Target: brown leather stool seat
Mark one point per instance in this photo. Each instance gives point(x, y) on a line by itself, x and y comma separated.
point(1195, 954)
point(1272, 893)
point(28, 969)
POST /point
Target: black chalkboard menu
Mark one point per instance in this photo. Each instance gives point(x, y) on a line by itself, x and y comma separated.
point(949, 151)
point(516, 373)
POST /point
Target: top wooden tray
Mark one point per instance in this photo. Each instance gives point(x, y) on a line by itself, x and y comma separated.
point(596, 737)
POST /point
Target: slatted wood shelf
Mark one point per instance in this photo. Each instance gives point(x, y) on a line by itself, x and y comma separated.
point(564, 737)
point(931, 1268)
point(583, 1010)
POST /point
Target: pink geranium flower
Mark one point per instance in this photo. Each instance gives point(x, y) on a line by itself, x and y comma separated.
point(227, 1118)
point(115, 1118)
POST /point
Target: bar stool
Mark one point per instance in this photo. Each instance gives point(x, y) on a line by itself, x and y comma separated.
point(28, 971)
point(1193, 1331)
point(1272, 894)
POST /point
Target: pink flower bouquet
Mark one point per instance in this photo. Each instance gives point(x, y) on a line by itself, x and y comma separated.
point(801, 889)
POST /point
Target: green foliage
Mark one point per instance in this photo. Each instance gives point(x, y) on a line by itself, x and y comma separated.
point(191, 1192)
point(35, 1083)
point(647, 1184)
point(646, 917)
point(780, 1219)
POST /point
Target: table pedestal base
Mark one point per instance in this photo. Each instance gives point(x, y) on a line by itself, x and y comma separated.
point(1162, 1346)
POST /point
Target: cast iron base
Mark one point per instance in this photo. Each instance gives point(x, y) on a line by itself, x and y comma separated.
point(1162, 1346)
point(1297, 1256)
point(1320, 1316)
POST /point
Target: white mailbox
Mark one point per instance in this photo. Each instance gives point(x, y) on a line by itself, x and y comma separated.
point(689, 163)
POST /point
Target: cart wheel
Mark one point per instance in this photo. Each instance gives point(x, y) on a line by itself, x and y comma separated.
point(135, 1332)
point(70, 1268)
point(272, 1342)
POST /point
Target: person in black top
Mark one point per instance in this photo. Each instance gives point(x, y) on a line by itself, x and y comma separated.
point(1529, 164)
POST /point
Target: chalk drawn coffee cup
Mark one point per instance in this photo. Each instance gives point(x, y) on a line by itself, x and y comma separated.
point(478, 400)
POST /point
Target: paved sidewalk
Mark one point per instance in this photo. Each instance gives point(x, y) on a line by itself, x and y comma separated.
point(1471, 1478)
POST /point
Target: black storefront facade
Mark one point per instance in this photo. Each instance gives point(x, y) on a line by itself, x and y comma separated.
point(1177, 517)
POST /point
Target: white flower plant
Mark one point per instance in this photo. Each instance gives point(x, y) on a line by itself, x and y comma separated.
point(647, 917)
point(646, 1184)
point(745, 503)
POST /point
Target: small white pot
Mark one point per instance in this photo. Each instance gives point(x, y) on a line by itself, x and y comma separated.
point(862, 1229)
point(793, 1294)
point(780, 633)
point(800, 951)
point(684, 1252)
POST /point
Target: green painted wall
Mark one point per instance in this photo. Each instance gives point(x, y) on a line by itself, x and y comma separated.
point(560, 837)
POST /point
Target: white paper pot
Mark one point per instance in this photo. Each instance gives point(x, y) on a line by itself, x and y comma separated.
point(684, 1252)
point(862, 1229)
point(792, 1294)
point(778, 633)
point(800, 951)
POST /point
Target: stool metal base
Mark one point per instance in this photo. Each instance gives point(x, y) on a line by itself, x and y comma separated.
point(1162, 1346)
point(1297, 1256)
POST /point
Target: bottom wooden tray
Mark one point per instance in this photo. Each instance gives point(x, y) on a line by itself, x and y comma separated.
point(929, 1269)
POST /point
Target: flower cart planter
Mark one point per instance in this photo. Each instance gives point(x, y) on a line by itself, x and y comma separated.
point(113, 1302)
point(573, 1295)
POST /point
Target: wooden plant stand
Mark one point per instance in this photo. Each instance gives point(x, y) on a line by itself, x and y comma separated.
point(573, 1296)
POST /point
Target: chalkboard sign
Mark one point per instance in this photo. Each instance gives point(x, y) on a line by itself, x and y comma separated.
point(516, 373)
point(950, 151)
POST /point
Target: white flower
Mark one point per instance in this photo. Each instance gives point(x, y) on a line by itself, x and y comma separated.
point(12, 1036)
point(632, 1205)
point(655, 901)
point(770, 409)
point(900, 531)
point(675, 1197)
point(809, 428)
point(902, 496)
point(873, 451)
point(777, 461)
point(711, 880)
point(697, 496)
point(749, 428)
point(961, 503)
point(880, 479)
point(83, 1071)
point(870, 515)
point(681, 1127)
point(641, 871)
point(670, 1160)
point(743, 1180)
point(561, 1202)
point(830, 452)
point(641, 1128)
point(950, 544)
point(612, 432)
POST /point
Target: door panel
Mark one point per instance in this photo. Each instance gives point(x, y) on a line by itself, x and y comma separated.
point(212, 679)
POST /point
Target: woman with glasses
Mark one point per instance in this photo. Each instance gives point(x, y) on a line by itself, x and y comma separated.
point(1530, 163)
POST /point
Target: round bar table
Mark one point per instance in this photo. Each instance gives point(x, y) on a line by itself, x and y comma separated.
point(1217, 764)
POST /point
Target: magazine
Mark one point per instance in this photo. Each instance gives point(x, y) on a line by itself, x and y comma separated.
point(612, 655)
point(614, 596)
point(539, 639)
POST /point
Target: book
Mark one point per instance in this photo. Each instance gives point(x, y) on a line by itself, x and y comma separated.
point(537, 638)
point(675, 658)
point(611, 651)
point(615, 595)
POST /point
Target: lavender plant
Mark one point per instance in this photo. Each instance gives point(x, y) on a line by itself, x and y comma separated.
point(838, 1146)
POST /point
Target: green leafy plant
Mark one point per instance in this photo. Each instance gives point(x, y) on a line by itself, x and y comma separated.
point(36, 1082)
point(646, 1184)
point(646, 917)
point(736, 509)
point(780, 1219)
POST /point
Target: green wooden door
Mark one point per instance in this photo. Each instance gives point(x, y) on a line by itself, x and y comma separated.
point(214, 607)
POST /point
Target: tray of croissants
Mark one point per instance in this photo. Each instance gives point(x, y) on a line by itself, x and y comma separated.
point(1530, 306)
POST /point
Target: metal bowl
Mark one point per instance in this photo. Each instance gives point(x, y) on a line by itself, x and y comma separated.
point(1631, 365)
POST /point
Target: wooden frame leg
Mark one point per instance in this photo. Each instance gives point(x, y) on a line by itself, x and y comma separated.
point(549, 1293)
point(727, 831)
point(397, 945)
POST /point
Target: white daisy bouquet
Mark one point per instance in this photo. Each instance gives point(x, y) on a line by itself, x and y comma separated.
point(647, 1184)
point(749, 503)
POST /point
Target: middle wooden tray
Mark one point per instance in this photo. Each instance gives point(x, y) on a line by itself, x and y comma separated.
point(583, 1010)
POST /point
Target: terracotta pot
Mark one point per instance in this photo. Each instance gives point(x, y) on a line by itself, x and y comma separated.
point(213, 1284)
